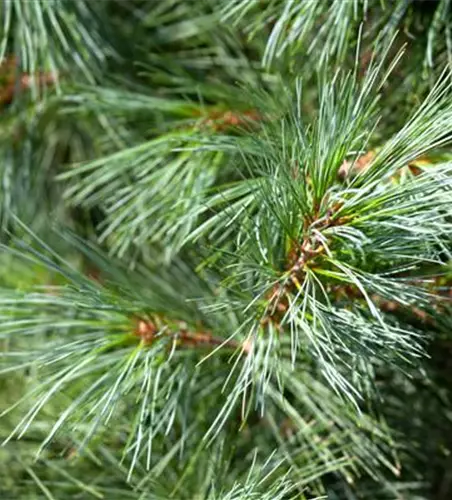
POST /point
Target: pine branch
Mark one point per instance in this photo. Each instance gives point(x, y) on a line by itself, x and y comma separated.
point(297, 230)
point(110, 345)
point(326, 30)
point(290, 24)
point(264, 309)
point(51, 35)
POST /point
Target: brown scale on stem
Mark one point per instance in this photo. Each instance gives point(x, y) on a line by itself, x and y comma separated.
point(350, 169)
point(11, 82)
point(148, 329)
point(223, 120)
point(439, 288)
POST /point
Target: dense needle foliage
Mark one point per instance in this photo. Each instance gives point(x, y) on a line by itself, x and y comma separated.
point(226, 248)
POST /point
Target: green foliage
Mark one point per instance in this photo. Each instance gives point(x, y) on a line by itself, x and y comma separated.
point(328, 29)
point(51, 35)
point(225, 249)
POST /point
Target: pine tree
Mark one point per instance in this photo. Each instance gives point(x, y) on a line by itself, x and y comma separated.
point(225, 249)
